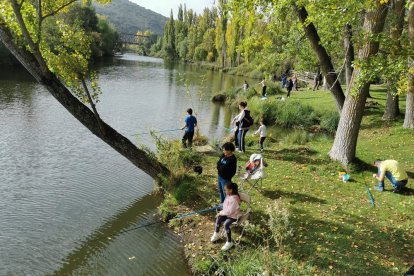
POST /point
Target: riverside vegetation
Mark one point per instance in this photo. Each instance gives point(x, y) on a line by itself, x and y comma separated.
point(304, 220)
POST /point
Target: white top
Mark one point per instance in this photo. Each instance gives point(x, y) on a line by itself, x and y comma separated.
point(245, 86)
point(262, 130)
point(263, 83)
point(239, 118)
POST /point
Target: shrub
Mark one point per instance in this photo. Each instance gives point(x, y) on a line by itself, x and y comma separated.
point(297, 137)
point(330, 121)
point(279, 223)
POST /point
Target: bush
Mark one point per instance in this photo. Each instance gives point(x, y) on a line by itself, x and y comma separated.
point(297, 137)
point(285, 114)
point(330, 121)
point(184, 188)
point(279, 223)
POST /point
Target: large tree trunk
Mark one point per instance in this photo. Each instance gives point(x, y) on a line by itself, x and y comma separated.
point(409, 111)
point(324, 59)
point(396, 19)
point(344, 147)
point(81, 112)
point(349, 54)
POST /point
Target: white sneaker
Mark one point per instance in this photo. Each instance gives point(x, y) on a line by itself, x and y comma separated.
point(215, 237)
point(227, 246)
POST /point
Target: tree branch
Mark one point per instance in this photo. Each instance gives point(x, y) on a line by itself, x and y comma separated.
point(98, 118)
point(59, 9)
point(28, 38)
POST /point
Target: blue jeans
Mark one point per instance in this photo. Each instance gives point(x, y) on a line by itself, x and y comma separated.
point(221, 182)
point(394, 182)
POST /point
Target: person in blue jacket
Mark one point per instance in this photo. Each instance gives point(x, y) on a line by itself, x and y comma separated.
point(190, 125)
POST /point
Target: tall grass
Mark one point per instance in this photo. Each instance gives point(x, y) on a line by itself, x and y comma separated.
point(330, 121)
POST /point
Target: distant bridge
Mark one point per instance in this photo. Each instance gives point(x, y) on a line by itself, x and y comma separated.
point(133, 39)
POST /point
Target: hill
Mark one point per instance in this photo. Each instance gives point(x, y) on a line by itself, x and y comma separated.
point(129, 17)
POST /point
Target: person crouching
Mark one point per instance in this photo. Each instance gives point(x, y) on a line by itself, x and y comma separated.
point(229, 214)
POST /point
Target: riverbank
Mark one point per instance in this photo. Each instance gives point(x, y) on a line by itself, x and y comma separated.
point(335, 230)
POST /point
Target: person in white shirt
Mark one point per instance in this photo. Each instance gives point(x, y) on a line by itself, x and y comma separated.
point(263, 133)
point(243, 122)
point(245, 86)
point(264, 87)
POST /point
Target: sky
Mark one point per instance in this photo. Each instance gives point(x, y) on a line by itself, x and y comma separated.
point(164, 6)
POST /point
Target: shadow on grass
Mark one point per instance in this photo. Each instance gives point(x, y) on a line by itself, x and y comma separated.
point(295, 197)
point(300, 155)
point(351, 247)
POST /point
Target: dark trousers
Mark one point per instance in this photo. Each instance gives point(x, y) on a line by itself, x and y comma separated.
point(261, 141)
point(236, 138)
point(188, 136)
point(288, 92)
point(241, 135)
point(227, 223)
point(264, 91)
point(317, 83)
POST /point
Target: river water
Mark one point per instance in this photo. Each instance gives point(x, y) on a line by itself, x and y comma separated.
point(66, 196)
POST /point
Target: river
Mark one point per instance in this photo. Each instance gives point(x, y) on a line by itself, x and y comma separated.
point(66, 196)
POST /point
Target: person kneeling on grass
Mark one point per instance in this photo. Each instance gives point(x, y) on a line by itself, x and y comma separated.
point(392, 170)
point(229, 214)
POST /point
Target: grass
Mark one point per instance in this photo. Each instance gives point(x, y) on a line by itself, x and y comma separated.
point(335, 230)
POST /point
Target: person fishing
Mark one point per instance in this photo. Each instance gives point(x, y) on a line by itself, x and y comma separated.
point(190, 125)
point(392, 170)
point(263, 83)
point(226, 168)
point(229, 214)
point(243, 122)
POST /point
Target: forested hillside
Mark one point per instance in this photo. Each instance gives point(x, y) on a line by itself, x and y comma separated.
point(130, 18)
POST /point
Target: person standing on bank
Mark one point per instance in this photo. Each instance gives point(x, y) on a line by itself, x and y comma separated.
point(289, 86)
point(318, 79)
point(243, 121)
point(190, 125)
point(226, 168)
point(264, 87)
point(295, 82)
point(392, 170)
point(245, 86)
point(263, 132)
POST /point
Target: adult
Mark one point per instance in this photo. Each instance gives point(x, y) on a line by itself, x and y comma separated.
point(243, 121)
point(190, 124)
point(245, 86)
point(263, 82)
point(284, 80)
point(295, 82)
point(317, 80)
point(226, 168)
point(392, 170)
point(289, 86)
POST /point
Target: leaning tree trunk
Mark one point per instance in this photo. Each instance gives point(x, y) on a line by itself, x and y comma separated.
point(81, 112)
point(344, 146)
point(409, 110)
point(324, 59)
point(397, 12)
point(349, 54)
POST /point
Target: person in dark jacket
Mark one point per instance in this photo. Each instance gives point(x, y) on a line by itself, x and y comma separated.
point(226, 168)
point(289, 86)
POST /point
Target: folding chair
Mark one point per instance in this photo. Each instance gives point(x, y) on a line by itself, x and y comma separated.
point(254, 172)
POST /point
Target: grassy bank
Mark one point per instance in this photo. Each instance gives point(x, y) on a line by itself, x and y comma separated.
point(334, 229)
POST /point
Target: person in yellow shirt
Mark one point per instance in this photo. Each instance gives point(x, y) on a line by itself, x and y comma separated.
point(392, 170)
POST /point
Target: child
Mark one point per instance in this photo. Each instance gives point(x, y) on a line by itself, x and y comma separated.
point(263, 132)
point(190, 124)
point(226, 168)
point(229, 214)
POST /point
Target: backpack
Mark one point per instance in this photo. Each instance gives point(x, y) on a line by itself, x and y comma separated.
point(248, 121)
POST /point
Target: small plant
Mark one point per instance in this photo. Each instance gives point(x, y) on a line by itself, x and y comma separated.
point(279, 223)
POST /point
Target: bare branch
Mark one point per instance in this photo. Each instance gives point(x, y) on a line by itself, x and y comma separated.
point(95, 112)
point(59, 9)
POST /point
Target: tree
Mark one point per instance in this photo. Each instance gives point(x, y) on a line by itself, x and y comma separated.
point(325, 62)
point(409, 111)
point(344, 146)
point(223, 29)
point(349, 53)
point(169, 39)
point(396, 19)
point(21, 31)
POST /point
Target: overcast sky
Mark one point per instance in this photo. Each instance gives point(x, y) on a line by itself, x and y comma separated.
point(164, 6)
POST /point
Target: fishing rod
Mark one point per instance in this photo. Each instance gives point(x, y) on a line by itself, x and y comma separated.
point(157, 131)
point(371, 198)
point(175, 218)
